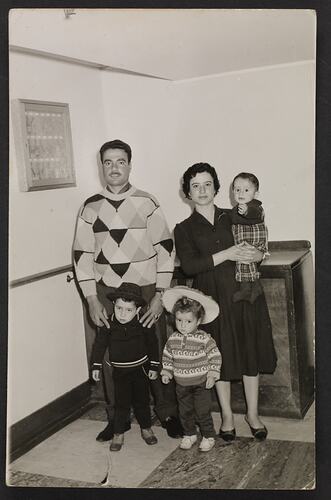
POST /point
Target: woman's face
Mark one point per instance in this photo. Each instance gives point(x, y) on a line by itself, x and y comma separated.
point(202, 189)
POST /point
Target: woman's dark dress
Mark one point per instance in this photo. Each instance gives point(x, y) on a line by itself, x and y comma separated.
point(242, 331)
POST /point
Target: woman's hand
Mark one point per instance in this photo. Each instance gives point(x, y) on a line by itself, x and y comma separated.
point(244, 253)
point(256, 255)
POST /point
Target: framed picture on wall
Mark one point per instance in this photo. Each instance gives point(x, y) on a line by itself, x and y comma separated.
point(43, 142)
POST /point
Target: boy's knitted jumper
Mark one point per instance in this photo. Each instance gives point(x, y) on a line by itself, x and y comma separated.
point(129, 345)
point(191, 358)
point(122, 238)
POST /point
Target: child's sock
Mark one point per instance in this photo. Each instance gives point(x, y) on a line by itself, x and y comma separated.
point(244, 292)
point(256, 290)
point(248, 291)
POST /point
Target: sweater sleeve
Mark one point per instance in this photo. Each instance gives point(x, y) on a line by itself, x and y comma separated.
point(152, 348)
point(99, 348)
point(254, 214)
point(214, 358)
point(190, 260)
point(83, 252)
point(163, 244)
point(167, 360)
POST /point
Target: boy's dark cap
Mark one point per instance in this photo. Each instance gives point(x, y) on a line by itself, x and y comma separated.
point(128, 291)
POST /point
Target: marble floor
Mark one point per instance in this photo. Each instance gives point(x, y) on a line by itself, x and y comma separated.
point(73, 458)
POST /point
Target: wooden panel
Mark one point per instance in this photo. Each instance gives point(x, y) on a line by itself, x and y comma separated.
point(275, 292)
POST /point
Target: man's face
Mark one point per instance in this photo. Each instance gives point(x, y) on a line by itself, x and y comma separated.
point(116, 168)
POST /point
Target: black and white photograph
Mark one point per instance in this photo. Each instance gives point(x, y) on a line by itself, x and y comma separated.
point(161, 238)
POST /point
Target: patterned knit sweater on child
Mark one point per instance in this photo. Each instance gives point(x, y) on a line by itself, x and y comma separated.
point(189, 359)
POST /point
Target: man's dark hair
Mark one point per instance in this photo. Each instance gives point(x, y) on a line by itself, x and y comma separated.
point(246, 175)
point(199, 168)
point(116, 144)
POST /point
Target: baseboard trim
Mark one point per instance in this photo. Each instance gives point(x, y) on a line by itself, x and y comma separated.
point(38, 426)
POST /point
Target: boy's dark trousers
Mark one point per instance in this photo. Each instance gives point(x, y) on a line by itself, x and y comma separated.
point(194, 405)
point(164, 395)
point(131, 389)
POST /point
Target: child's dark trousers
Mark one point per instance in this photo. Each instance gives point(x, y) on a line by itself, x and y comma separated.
point(194, 405)
point(131, 389)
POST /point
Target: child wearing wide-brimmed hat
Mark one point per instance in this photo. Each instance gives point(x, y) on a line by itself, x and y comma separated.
point(134, 356)
point(192, 358)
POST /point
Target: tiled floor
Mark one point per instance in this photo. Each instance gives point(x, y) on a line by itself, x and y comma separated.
point(73, 458)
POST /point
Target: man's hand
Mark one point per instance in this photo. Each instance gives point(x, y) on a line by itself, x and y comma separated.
point(96, 375)
point(152, 375)
point(153, 312)
point(210, 382)
point(98, 312)
point(242, 208)
point(165, 379)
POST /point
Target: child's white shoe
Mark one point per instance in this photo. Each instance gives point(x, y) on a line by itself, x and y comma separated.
point(207, 444)
point(187, 442)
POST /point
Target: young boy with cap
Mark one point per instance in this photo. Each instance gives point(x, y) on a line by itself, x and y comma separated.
point(133, 353)
point(192, 358)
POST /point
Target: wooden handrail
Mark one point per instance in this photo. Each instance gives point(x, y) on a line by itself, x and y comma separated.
point(41, 276)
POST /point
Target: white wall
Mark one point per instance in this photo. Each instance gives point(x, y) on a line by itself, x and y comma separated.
point(260, 121)
point(46, 331)
point(53, 212)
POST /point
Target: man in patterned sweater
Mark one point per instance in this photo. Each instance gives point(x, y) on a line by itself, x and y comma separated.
point(122, 236)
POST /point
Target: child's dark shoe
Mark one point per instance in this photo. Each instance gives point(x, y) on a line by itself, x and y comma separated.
point(117, 442)
point(148, 436)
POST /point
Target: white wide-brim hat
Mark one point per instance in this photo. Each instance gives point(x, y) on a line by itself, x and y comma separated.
point(171, 295)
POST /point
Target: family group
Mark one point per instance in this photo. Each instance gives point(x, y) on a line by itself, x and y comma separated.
point(173, 345)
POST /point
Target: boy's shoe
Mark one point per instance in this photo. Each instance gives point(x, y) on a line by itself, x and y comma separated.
point(117, 442)
point(207, 444)
point(108, 432)
point(173, 427)
point(188, 441)
point(148, 436)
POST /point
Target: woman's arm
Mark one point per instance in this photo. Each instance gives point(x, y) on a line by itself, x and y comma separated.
point(193, 263)
point(190, 259)
point(244, 253)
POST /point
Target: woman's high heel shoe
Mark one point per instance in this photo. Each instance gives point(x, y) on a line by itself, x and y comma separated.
point(259, 433)
point(228, 435)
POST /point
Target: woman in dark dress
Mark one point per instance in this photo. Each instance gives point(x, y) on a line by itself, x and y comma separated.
point(205, 248)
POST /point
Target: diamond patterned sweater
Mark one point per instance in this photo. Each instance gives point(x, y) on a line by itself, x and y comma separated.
point(122, 238)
